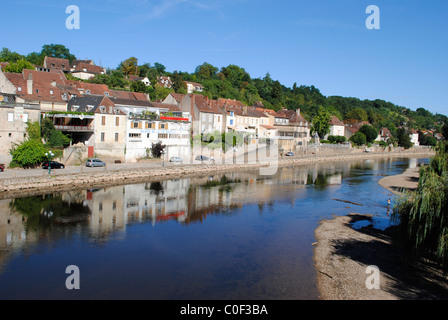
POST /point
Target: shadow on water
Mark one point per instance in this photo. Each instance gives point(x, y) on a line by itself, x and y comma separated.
point(411, 280)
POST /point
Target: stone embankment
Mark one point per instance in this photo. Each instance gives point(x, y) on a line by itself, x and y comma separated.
point(10, 187)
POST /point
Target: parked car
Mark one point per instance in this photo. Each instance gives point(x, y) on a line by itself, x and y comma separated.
point(201, 158)
point(175, 159)
point(2, 167)
point(290, 154)
point(95, 163)
point(54, 165)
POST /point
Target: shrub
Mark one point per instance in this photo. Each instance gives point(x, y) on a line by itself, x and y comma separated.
point(337, 139)
point(29, 154)
point(358, 138)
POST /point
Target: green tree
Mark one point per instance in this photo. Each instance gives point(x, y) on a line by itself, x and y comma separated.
point(370, 132)
point(29, 154)
point(138, 86)
point(17, 67)
point(7, 55)
point(422, 215)
point(57, 51)
point(358, 138)
point(403, 138)
point(357, 114)
point(321, 123)
point(129, 66)
point(33, 130)
point(157, 149)
point(206, 71)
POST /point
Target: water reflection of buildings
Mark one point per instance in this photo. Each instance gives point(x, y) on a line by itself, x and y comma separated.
point(109, 211)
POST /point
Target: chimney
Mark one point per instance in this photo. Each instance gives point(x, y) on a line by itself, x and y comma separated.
point(245, 110)
point(193, 100)
point(298, 111)
point(29, 83)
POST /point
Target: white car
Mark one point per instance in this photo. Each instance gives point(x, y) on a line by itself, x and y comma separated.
point(175, 159)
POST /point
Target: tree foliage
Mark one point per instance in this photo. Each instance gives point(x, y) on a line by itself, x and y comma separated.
point(422, 215)
point(358, 138)
point(321, 123)
point(370, 133)
point(157, 149)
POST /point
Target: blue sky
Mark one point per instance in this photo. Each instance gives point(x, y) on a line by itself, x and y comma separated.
point(324, 43)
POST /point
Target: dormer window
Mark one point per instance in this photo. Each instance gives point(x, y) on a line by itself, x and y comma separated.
point(87, 91)
point(53, 83)
point(84, 69)
point(19, 89)
point(74, 108)
point(51, 91)
point(103, 109)
point(106, 93)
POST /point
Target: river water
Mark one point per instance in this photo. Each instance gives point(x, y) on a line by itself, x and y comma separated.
point(227, 236)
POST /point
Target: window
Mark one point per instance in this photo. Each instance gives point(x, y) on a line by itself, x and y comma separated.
point(19, 88)
point(163, 136)
point(103, 120)
point(135, 135)
point(117, 121)
point(37, 90)
point(116, 137)
point(231, 122)
point(134, 125)
point(231, 113)
point(10, 116)
point(163, 126)
point(102, 136)
point(25, 117)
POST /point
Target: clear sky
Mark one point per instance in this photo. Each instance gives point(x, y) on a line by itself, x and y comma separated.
point(324, 43)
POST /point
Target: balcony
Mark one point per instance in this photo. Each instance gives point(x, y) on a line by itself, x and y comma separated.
point(74, 128)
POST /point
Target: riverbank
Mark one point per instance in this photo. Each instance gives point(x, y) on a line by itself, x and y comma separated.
point(342, 255)
point(87, 178)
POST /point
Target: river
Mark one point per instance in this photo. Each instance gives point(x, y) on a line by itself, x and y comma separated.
point(226, 236)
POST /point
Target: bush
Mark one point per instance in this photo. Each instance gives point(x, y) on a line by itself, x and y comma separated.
point(358, 138)
point(370, 133)
point(29, 154)
point(337, 139)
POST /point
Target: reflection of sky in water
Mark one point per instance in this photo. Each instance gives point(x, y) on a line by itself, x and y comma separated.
point(236, 236)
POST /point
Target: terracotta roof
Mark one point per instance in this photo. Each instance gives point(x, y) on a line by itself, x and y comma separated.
point(268, 127)
point(87, 68)
point(294, 117)
point(90, 88)
point(205, 105)
point(76, 62)
point(178, 96)
point(56, 63)
point(44, 85)
point(334, 121)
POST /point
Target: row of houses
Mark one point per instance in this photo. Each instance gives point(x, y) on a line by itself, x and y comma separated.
point(122, 125)
point(349, 128)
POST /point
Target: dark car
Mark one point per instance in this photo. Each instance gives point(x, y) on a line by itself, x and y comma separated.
point(2, 167)
point(95, 163)
point(54, 165)
point(201, 158)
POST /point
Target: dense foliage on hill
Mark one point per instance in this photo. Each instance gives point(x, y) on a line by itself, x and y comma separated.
point(234, 82)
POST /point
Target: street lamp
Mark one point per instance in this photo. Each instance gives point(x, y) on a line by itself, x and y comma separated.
point(49, 155)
